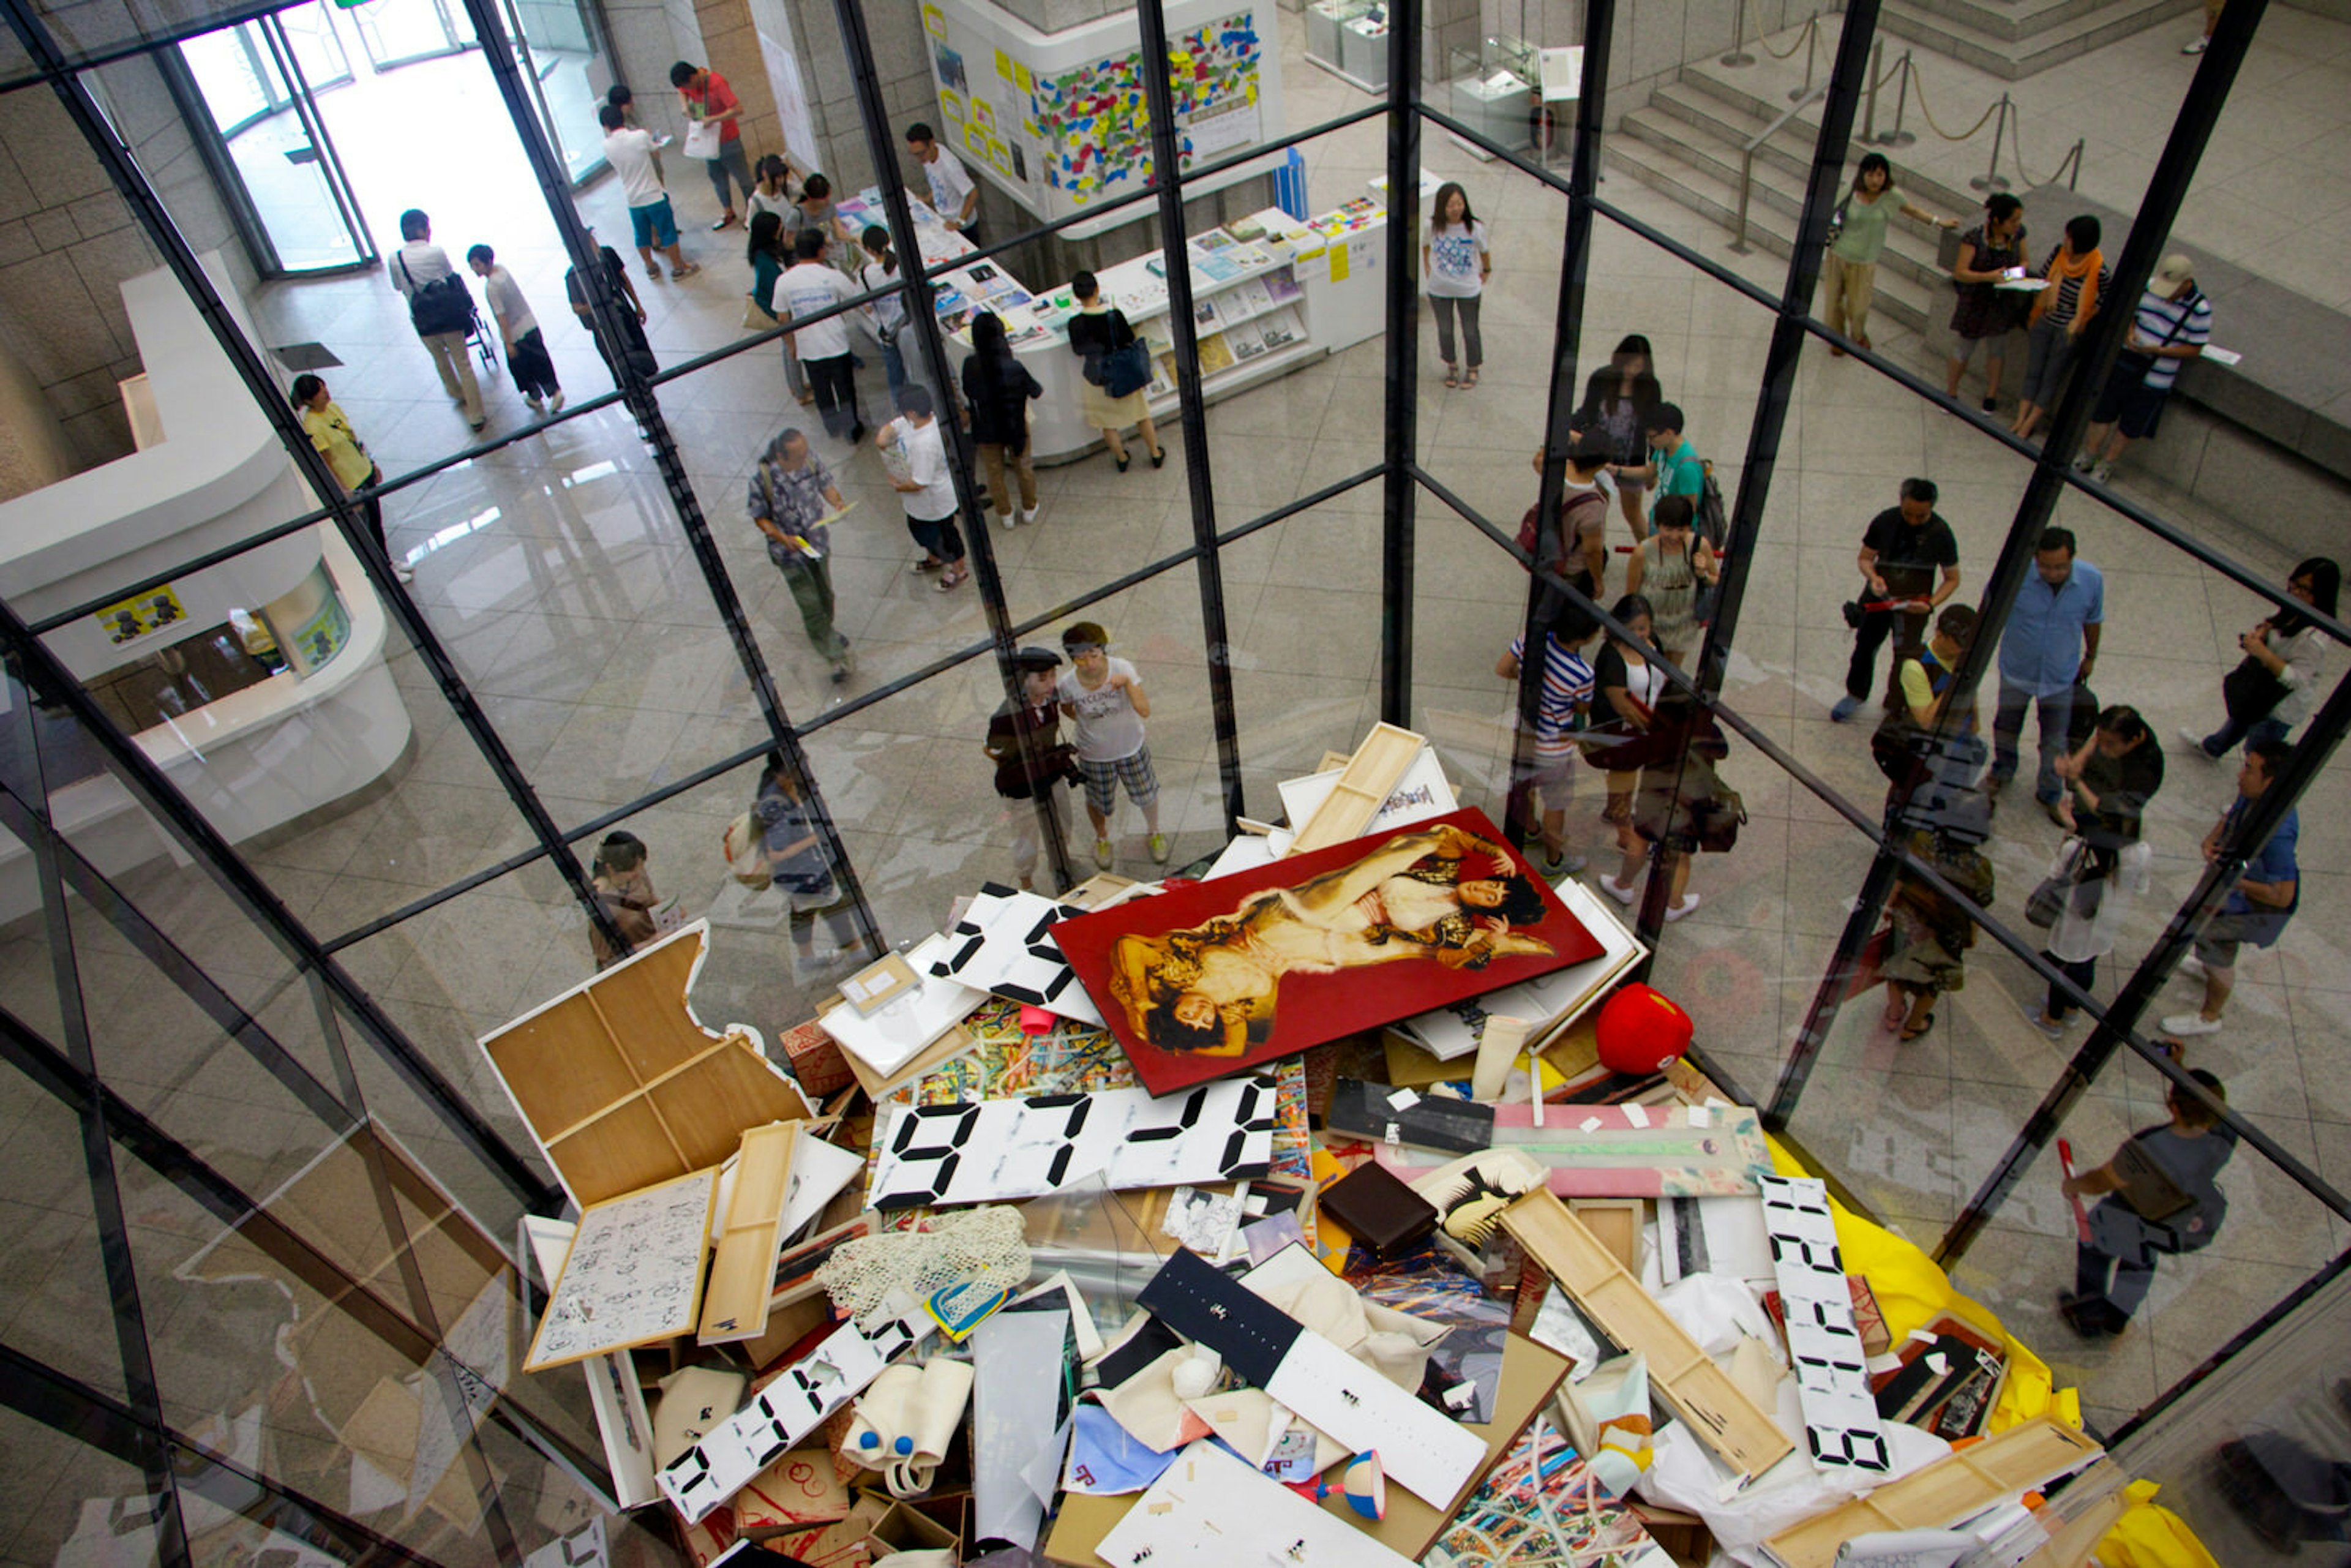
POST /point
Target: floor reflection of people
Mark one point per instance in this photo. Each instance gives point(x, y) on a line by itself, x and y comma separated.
point(1210, 989)
point(2113, 1269)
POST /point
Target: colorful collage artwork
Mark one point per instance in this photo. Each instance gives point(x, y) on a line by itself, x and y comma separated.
point(1095, 117)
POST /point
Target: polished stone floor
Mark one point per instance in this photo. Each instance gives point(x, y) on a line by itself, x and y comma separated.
point(555, 573)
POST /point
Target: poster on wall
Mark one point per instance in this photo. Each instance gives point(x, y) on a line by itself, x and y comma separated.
point(780, 55)
point(310, 621)
point(128, 619)
point(1100, 127)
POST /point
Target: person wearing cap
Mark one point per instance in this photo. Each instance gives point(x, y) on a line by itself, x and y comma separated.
point(1048, 764)
point(2173, 323)
point(1106, 696)
point(792, 495)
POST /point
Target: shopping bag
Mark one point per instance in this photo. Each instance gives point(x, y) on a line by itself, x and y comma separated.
point(702, 139)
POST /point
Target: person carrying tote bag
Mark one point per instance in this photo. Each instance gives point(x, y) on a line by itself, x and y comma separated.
point(2277, 683)
point(1098, 333)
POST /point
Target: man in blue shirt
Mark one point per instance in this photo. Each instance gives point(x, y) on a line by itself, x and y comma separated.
point(1674, 466)
point(2258, 907)
point(2051, 645)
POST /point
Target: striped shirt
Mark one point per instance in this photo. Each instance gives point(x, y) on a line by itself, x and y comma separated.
point(1567, 685)
point(2162, 321)
point(2067, 291)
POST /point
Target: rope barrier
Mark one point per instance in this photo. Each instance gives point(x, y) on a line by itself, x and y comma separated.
point(1919, 87)
point(2016, 146)
point(1812, 25)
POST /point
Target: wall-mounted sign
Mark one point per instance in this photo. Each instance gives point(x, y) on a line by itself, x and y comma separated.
point(132, 618)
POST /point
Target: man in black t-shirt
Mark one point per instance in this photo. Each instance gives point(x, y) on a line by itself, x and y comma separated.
point(1900, 556)
point(2179, 1163)
point(631, 312)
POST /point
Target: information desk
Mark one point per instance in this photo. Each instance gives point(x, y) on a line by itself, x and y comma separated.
point(1269, 295)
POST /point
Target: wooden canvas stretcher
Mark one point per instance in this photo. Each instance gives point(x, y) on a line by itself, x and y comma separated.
point(734, 1303)
point(1963, 1483)
point(1364, 787)
point(624, 1087)
point(1741, 1434)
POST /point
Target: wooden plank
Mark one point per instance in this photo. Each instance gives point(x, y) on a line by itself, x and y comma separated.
point(735, 1305)
point(2028, 1455)
point(1741, 1434)
point(633, 1274)
point(1498, 1048)
point(1618, 1222)
point(1364, 787)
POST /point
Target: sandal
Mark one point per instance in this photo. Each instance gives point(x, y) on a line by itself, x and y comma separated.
point(1469, 381)
point(1918, 1031)
point(688, 270)
point(1896, 1011)
point(1619, 810)
point(950, 583)
point(1452, 377)
point(928, 563)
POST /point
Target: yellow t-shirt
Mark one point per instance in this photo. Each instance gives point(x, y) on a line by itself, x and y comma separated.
point(330, 432)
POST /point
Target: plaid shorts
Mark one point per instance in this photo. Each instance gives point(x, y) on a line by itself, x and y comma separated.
point(1102, 778)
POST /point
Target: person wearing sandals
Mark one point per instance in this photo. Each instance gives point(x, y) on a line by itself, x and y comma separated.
point(1986, 313)
point(1106, 696)
point(652, 222)
point(914, 455)
point(1849, 271)
point(2078, 276)
point(1454, 265)
point(1099, 327)
point(1629, 686)
point(1928, 935)
point(998, 388)
point(1618, 401)
point(1667, 570)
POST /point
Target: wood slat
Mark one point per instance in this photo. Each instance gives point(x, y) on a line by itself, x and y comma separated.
point(734, 1303)
point(1365, 784)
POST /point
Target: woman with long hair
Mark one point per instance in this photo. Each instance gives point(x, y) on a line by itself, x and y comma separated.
point(2076, 274)
point(1849, 271)
point(769, 261)
point(1097, 331)
point(2108, 783)
point(1453, 265)
point(1670, 570)
point(1616, 401)
point(2276, 684)
point(886, 317)
point(1210, 989)
point(1986, 313)
point(996, 390)
point(771, 192)
point(1629, 687)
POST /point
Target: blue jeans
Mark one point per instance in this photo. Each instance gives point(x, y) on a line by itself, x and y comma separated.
point(2231, 731)
point(2056, 712)
point(893, 366)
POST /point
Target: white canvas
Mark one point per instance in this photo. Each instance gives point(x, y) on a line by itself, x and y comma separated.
point(893, 1035)
point(1549, 1003)
point(1001, 1150)
point(1003, 945)
point(1211, 1511)
point(1420, 794)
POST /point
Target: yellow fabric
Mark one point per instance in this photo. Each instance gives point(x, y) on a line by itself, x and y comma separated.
point(1912, 1292)
point(2151, 1536)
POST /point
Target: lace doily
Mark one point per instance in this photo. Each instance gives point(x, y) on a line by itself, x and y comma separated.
point(986, 1245)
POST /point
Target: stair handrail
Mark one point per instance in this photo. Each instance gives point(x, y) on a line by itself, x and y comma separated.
point(1747, 157)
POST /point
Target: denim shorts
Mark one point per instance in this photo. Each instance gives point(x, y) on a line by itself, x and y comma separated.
point(655, 225)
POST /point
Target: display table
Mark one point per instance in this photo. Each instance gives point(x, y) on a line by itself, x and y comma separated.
point(1270, 294)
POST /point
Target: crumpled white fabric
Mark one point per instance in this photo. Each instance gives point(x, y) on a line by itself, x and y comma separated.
point(1684, 1475)
point(1393, 1344)
point(1717, 1310)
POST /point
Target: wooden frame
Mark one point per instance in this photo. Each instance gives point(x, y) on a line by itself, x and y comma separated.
point(1364, 787)
point(1742, 1435)
point(1616, 1221)
point(1963, 1483)
point(624, 1088)
point(655, 1217)
point(735, 1302)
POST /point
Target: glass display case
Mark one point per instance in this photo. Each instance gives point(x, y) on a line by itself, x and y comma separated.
point(1493, 89)
point(1349, 38)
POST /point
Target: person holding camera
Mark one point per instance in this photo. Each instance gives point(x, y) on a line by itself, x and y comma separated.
point(1038, 721)
point(1905, 547)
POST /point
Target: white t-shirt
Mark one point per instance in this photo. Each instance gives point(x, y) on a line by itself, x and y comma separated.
point(925, 455)
point(418, 263)
point(805, 289)
point(889, 312)
point(506, 302)
point(950, 183)
point(1108, 729)
point(631, 154)
point(1455, 271)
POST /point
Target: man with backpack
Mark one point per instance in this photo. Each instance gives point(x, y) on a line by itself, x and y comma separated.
point(441, 308)
point(1577, 549)
point(1675, 467)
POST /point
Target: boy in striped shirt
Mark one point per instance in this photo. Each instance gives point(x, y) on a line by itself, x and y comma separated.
point(1566, 697)
point(2173, 323)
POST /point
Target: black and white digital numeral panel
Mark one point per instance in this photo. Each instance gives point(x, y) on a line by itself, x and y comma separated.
point(1841, 1421)
point(1001, 1150)
point(1004, 945)
point(783, 1413)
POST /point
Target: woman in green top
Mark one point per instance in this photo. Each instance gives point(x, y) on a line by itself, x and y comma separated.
point(1850, 268)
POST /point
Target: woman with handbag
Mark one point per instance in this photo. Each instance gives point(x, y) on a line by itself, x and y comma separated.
point(2103, 863)
point(2277, 683)
point(886, 317)
point(769, 261)
point(1100, 336)
point(998, 388)
point(1616, 404)
point(1618, 743)
point(796, 856)
point(1672, 567)
point(1928, 933)
point(1038, 721)
point(1679, 787)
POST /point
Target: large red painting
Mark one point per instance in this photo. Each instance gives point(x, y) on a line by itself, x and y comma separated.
point(1201, 980)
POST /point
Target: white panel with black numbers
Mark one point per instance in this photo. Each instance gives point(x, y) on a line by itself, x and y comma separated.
point(1004, 945)
point(1841, 1420)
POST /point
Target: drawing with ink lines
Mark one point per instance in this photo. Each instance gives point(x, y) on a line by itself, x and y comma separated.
point(634, 1275)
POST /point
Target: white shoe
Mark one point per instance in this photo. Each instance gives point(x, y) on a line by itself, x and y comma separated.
point(536, 406)
point(1030, 515)
point(2195, 45)
point(2184, 1025)
point(1688, 902)
point(1615, 889)
point(555, 403)
point(2189, 734)
point(402, 574)
point(2105, 472)
point(2191, 968)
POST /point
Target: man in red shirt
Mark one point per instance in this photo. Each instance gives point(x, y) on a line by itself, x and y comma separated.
point(708, 98)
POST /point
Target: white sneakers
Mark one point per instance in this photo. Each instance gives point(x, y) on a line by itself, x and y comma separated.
point(1014, 519)
point(2184, 1025)
point(1029, 515)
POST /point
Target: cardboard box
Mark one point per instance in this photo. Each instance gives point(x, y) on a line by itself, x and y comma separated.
point(814, 1059)
point(906, 1527)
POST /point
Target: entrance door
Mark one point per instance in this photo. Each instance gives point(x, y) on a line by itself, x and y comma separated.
point(251, 87)
point(396, 32)
point(562, 56)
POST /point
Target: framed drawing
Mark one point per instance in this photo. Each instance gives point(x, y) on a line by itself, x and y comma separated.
point(1203, 979)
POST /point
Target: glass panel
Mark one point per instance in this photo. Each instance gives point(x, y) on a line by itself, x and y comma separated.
point(396, 32)
point(55, 1282)
point(557, 42)
point(62, 1498)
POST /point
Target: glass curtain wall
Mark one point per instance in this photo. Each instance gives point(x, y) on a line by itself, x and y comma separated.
point(243, 1060)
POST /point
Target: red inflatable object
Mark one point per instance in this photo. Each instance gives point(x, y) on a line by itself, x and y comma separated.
point(1641, 1029)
